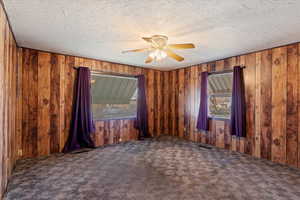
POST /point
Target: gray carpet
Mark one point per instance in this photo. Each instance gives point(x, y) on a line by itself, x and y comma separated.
point(164, 168)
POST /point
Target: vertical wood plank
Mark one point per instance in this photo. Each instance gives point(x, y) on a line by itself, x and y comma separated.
point(173, 99)
point(227, 135)
point(192, 103)
point(181, 103)
point(127, 130)
point(227, 65)
point(279, 97)
point(111, 124)
point(166, 102)
point(158, 98)
point(4, 137)
point(54, 110)
point(292, 107)
point(106, 133)
point(258, 103)
point(33, 103)
point(171, 103)
point(187, 103)
point(9, 103)
point(298, 104)
point(96, 134)
point(101, 133)
point(266, 106)
point(124, 131)
point(150, 102)
point(220, 133)
point(233, 143)
point(117, 131)
point(161, 99)
point(212, 133)
point(176, 117)
point(61, 125)
point(6, 102)
point(2, 105)
point(70, 74)
point(44, 84)
point(250, 79)
point(19, 107)
point(25, 100)
point(155, 103)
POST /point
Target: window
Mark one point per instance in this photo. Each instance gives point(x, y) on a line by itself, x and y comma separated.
point(113, 97)
point(219, 95)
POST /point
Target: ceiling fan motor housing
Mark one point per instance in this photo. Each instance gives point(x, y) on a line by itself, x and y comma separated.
point(159, 41)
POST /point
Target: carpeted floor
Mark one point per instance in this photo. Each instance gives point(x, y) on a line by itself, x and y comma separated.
point(164, 168)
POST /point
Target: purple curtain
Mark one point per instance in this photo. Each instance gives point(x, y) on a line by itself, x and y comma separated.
point(238, 105)
point(141, 122)
point(202, 122)
point(82, 122)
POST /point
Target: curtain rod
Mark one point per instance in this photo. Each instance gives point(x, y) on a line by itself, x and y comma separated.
point(225, 71)
point(110, 73)
point(115, 76)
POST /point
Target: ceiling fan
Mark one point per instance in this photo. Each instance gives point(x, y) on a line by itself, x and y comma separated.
point(160, 48)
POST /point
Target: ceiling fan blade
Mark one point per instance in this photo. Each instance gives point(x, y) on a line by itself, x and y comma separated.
point(147, 39)
point(148, 60)
point(173, 55)
point(137, 50)
point(182, 46)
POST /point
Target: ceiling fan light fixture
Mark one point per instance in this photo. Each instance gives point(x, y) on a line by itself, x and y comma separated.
point(160, 49)
point(158, 55)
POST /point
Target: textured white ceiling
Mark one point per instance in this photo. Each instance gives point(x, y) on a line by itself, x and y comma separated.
point(101, 29)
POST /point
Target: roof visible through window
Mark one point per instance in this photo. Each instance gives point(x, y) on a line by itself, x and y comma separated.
point(219, 95)
point(113, 97)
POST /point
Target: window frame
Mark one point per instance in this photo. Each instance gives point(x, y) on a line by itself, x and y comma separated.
point(114, 75)
point(219, 95)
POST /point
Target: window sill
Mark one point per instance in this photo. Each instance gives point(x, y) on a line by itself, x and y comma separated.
point(219, 118)
point(121, 118)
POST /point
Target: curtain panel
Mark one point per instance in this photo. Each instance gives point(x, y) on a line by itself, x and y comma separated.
point(202, 122)
point(82, 122)
point(238, 104)
point(141, 122)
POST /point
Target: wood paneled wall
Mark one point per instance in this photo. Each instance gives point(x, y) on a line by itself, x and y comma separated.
point(272, 81)
point(8, 99)
point(272, 84)
point(47, 95)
